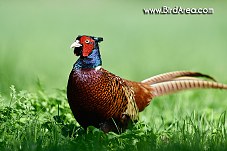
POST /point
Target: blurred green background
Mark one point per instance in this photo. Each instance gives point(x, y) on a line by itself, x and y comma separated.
point(35, 37)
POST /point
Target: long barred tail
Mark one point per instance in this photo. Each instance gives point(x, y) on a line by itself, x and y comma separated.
point(178, 85)
point(175, 75)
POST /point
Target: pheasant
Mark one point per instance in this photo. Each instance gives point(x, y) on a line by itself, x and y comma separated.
point(106, 101)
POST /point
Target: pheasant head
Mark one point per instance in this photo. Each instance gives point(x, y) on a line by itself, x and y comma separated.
point(84, 45)
point(88, 49)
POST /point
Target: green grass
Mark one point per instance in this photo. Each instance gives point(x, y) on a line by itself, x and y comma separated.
point(37, 121)
point(34, 48)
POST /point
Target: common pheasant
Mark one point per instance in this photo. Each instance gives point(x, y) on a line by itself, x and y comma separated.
point(101, 99)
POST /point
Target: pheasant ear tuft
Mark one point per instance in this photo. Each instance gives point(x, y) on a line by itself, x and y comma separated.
point(98, 39)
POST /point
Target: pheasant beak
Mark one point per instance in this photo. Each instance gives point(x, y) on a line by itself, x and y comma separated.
point(77, 47)
point(76, 44)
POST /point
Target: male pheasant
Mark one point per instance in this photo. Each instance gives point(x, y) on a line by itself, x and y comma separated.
point(109, 102)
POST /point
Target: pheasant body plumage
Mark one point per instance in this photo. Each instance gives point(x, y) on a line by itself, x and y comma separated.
point(106, 101)
point(104, 98)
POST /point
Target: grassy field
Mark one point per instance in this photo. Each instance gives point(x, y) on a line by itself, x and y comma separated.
point(35, 58)
point(189, 121)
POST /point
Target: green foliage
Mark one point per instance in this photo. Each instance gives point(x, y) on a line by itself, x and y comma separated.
point(37, 121)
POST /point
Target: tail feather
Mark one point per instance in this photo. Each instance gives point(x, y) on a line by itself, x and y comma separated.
point(178, 85)
point(175, 75)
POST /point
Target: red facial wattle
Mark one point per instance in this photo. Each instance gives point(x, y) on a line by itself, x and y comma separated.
point(87, 45)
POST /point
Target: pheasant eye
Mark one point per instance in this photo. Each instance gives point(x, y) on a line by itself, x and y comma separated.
point(87, 41)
